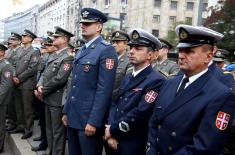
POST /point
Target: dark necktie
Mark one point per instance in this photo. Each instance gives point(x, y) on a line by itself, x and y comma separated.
point(182, 86)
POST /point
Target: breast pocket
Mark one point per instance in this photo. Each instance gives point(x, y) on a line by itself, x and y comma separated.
point(88, 65)
point(55, 67)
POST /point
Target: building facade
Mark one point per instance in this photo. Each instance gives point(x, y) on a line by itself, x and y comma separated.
point(1, 31)
point(155, 16)
point(20, 21)
point(51, 14)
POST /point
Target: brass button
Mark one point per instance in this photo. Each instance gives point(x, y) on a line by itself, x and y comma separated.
point(159, 127)
point(173, 134)
point(170, 148)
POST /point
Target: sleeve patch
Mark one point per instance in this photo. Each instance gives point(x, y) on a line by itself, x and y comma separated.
point(66, 67)
point(222, 120)
point(150, 96)
point(109, 63)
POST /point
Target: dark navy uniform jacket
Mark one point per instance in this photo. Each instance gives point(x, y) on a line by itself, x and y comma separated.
point(226, 79)
point(92, 82)
point(193, 123)
point(131, 110)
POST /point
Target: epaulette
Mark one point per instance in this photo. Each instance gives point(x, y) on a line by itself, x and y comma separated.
point(105, 42)
point(226, 72)
point(129, 69)
point(7, 62)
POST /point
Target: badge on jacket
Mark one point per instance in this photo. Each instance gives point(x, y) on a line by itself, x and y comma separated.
point(150, 96)
point(222, 120)
point(66, 67)
point(86, 68)
point(109, 63)
point(7, 74)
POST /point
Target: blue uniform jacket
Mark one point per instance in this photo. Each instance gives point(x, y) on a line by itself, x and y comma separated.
point(92, 82)
point(132, 109)
point(191, 123)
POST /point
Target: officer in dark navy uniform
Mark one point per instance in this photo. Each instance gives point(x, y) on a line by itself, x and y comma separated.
point(92, 82)
point(6, 74)
point(194, 110)
point(127, 128)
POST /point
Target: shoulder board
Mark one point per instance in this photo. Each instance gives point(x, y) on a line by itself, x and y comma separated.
point(105, 42)
point(171, 61)
point(163, 73)
point(226, 72)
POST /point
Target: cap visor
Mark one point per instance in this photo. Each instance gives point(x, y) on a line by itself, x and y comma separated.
point(218, 59)
point(57, 35)
point(187, 45)
point(88, 21)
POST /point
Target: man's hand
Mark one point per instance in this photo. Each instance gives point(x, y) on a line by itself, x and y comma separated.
point(65, 120)
point(107, 132)
point(40, 93)
point(112, 143)
point(90, 130)
point(16, 80)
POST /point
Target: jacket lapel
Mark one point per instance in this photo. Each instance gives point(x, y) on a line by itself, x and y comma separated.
point(133, 81)
point(55, 56)
point(190, 92)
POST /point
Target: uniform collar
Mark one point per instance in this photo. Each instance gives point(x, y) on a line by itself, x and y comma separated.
point(135, 73)
point(91, 41)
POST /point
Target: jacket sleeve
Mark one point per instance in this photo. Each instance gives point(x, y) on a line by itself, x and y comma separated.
point(32, 67)
point(106, 77)
point(6, 82)
point(140, 114)
point(58, 81)
point(211, 136)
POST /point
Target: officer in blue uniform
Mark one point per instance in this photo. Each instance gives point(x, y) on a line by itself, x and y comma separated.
point(192, 115)
point(127, 128)
point(93, 76)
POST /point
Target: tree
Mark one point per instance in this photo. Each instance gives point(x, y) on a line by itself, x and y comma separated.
point(223, 21)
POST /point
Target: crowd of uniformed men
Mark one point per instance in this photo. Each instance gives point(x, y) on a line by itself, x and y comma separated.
point(126, 97)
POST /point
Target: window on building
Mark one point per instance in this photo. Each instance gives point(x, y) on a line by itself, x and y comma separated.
point(174, 5)
point(157, 3)
point(189, 20)
point(124, 2)
point(190, 6)
point(172, 19)
point(156, 18)
point(107, 2)
point(204, 6)
point(155, 32)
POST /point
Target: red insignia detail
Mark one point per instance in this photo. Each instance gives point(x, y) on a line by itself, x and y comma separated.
point(222, 120)
point(7, 74)
point(151, 96)
point(66, 67)
point(109, 63)
point(86, 68)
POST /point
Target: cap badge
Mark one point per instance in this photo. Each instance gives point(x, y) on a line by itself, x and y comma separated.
point(85, 14)
point(135, 35)
point(117, 34)
point(218, 54)
point(183, 34)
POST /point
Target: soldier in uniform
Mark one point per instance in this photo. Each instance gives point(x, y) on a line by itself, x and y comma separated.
point(119, 42)
point(127, 128)
point(163, 64)
point(79, 43)
point(6, 74)
point(92, 82)
point(50, 89)
point(25, 82)
point(14, 48)
point(219, 59)
point(193, 113)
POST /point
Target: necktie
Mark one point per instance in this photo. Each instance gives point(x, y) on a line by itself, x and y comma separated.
point(182, 86)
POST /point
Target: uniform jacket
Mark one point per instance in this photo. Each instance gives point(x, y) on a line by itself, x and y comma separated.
point(92, 82)
point(26, 68)
point(12, 56)
point(226, 79)
point(123, 65)
point(132, 110)
point(6, 73)
point(55, 76)
point(190, 123)
point(168, 67)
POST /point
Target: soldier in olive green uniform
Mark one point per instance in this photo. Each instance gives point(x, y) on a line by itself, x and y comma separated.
point(25, 82)
point(163, 64)
point(6, 72)
point(11, 56)
point(119, 42)
point(50, 89)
